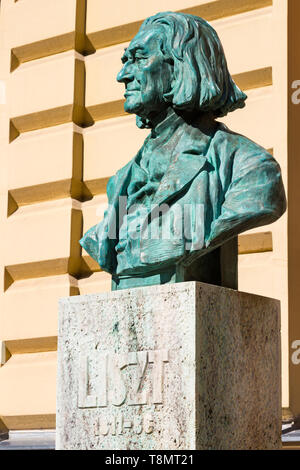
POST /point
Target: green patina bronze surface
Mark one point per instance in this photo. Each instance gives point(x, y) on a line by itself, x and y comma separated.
point(176, 208)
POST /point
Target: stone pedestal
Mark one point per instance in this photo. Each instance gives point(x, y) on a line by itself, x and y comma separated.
point(178, 366)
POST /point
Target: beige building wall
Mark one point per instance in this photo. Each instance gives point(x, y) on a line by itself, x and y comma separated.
point(63, 133)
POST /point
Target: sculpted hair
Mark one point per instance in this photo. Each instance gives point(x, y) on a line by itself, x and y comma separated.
point(202, 82)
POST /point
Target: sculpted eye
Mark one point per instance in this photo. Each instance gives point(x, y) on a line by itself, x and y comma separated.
point(139, 57)
point(140, 60)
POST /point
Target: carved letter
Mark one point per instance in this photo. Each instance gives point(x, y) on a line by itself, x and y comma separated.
point(85, 400)
point(139, 359)
point(158, 358)
point(119, 392)
point(102, 380)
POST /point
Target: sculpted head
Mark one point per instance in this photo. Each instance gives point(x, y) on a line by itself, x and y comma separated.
point(177, 60)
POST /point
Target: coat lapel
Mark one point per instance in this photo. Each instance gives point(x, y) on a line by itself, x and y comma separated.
point(120, 184)
point(187, 162)
point(110, 225)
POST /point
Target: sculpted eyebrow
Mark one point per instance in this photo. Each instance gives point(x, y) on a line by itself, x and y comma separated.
point(135, 49)
point(131, 52)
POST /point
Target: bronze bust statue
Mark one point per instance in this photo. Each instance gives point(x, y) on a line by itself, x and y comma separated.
point(176, 208)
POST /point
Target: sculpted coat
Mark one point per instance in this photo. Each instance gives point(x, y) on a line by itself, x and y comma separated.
point(237, 181)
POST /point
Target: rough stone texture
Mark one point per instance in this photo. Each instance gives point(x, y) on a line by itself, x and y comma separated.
point(213, 384)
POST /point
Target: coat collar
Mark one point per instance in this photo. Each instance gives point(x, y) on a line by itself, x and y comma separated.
point(191, 146)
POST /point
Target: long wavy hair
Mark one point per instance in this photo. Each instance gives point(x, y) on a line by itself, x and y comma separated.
point(201, 80)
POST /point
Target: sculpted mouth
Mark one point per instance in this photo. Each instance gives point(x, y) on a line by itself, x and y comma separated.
point(127, 92)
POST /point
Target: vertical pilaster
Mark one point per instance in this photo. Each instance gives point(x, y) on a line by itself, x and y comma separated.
point(294, 200)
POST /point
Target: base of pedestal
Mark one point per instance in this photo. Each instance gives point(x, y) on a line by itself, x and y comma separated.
point(180, 366)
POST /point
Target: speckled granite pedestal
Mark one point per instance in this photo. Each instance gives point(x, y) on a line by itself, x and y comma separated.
point(178, 366)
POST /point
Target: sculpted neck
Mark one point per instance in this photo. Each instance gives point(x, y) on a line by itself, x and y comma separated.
point(159, 118)
point(169, 117)
point(165, 121)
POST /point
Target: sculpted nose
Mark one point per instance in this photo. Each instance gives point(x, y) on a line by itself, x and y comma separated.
point(125, 75)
